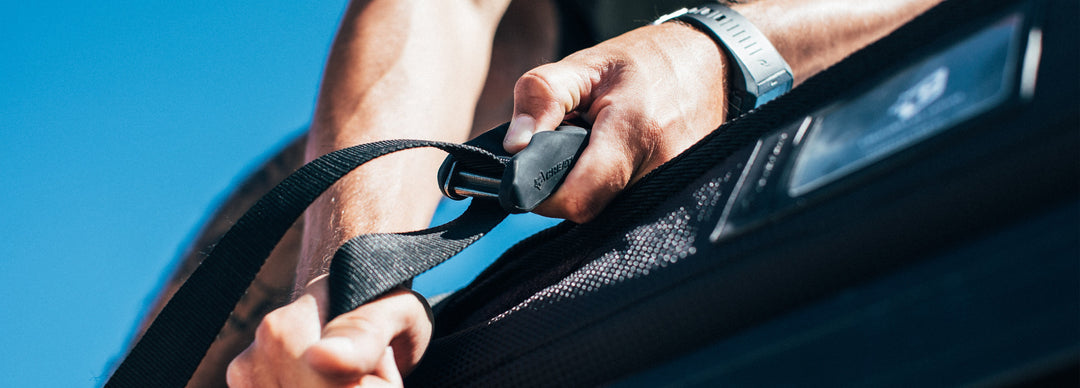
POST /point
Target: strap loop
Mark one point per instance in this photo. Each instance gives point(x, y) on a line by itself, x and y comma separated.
point(175, 343)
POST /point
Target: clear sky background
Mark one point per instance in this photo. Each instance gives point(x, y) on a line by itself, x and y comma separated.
point(122, 124)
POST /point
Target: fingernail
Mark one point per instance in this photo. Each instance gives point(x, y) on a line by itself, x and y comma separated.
point(520, 132)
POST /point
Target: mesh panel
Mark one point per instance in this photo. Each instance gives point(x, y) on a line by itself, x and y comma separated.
point(642, 250)
point(535, 334)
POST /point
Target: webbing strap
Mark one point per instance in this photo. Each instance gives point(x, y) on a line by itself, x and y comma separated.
point(371, 264)
point(175, 343)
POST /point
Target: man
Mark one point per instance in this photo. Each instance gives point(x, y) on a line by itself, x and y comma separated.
point(411, 69)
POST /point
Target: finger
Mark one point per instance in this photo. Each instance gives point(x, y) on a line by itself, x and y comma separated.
point(386, 373)
point(241, 372)
point(544, 96)
point(354, 343)
point(320, 289)
point(606, 167)
point(409, 348)
point(280, 340)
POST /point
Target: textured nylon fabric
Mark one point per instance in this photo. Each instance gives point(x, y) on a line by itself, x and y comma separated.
point(173, 345)
point(370, 264)
point(582, 305)
point(617, 272)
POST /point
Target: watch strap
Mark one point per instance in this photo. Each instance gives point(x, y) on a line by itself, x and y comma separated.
point(763, 74)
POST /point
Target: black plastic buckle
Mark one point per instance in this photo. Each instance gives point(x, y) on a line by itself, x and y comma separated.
point(530, 177)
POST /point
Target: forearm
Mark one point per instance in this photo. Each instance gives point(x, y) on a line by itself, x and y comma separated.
point(397, 69)
point(813, 35)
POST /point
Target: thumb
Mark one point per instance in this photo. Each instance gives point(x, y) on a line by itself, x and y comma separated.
point(544, 96)
point(355, 343)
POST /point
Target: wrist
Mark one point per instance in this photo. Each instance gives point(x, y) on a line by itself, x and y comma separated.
point(713, 67)
point(757, 72)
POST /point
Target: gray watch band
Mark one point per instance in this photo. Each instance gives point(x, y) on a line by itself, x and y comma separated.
point(764, 74)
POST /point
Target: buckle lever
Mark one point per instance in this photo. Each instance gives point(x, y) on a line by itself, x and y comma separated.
point(530, 177)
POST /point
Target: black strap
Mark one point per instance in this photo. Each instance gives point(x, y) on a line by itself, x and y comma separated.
point(175, 343)
point(370, 264)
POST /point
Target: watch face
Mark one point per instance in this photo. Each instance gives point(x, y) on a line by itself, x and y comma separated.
point(965, 80)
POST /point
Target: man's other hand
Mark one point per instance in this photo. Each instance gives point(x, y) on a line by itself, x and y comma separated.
point(372, 346)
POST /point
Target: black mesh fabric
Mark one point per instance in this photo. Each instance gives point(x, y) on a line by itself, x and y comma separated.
point(582, 305)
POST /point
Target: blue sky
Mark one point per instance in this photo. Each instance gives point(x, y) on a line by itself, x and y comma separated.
point(123, 125)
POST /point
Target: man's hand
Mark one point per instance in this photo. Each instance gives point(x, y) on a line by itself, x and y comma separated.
point(370, 346)
point(649, 95)
point(654, 91)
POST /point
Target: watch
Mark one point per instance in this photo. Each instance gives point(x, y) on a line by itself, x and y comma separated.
point(763, 75)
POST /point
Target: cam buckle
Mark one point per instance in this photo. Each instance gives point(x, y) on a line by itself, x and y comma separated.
point(530, 176)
